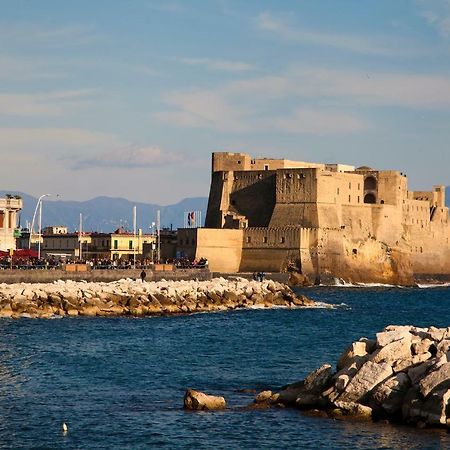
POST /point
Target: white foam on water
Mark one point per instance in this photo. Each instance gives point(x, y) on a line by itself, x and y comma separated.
point(344, 284)
point(433, 286)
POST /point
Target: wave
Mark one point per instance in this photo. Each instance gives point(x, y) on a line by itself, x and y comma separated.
point(433, 286)
point(344, 284)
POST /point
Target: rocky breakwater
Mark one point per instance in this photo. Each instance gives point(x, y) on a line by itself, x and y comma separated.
point(401, 376)
point(133, 298)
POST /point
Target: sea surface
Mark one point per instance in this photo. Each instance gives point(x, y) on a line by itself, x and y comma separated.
point(119, 383)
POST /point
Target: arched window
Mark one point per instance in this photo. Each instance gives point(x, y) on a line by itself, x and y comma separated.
point(370, 184)
point(370, 198)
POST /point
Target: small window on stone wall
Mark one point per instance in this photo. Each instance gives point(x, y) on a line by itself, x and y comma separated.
point(249, 239)
point(355, 251)
point(282, 240)
point(265, 239)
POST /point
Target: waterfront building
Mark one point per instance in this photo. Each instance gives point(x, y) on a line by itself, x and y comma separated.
point(120, 244)
point(9, 209)
point(323, 219)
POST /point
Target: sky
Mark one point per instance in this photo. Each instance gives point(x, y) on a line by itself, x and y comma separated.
point(130, 98)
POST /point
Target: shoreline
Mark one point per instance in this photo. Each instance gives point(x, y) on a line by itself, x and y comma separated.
point(128, 297)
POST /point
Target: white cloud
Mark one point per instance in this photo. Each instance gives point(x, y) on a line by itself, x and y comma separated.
point(54, 103)
point(33, 140)
point(20, 68)
point(437, 14)
point(218, 64)
point(203, 108)
point(167, 6)
point(321, 101)
point(281, 27)
point(130, 157)
point(319, 122)
point(351, 87)
point(56, 37)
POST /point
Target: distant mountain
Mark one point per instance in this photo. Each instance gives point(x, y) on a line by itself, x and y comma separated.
point(447, 196)
point(107, 214)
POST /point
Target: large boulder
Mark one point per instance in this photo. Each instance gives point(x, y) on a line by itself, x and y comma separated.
point(370, 375)
point(394, 350)
point(356, 352)
point(388, 396)
point(439, 377)
point(200, 401)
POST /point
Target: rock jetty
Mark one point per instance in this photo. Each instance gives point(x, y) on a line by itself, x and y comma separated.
point(129, 297)
point(401, 376)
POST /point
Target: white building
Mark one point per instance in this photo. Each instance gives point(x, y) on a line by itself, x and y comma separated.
point(9, 207)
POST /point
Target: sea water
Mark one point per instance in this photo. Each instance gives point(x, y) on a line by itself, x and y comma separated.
point(118, 383)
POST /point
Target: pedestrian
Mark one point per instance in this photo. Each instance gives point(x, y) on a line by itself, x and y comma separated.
point(143, 275)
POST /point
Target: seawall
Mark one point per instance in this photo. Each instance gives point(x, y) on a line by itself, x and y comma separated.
point(49, 276)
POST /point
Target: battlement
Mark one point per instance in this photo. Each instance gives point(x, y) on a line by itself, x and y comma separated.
point(225, 162)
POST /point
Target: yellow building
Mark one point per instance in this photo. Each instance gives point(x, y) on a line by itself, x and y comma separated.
point(112, 246)
point(9, 207)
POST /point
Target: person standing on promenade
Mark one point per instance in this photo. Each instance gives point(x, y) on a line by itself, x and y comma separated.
point(143, 275)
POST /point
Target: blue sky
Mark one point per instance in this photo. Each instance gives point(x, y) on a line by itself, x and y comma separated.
point(129, 98)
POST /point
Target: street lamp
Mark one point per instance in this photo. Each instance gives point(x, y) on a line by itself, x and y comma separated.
point(152, 229)
point(38, 205)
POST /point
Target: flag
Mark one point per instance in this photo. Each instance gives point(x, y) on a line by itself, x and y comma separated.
point(191, 218)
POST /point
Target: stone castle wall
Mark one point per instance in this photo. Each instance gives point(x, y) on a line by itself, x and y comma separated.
point(361, 225)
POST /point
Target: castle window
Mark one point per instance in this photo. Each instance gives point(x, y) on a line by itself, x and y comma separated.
point(369, 198)
point(370, 184)
point(359, 199)
point(349, 198)
point(337, 191)
point(359, 186)
point(265, 239)
point(355, 251)
point(266, 167)
point(382, 202)
point(349, 185)
point(239, 162)
point(249, 239)
point(282, 240)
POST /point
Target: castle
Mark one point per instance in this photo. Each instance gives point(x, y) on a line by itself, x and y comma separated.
point(358, 224)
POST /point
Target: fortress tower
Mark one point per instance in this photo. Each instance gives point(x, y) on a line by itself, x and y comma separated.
point(327, 220)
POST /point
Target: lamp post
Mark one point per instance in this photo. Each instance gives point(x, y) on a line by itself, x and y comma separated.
point(152, 228)
point(134, 237)
point(38, 206)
